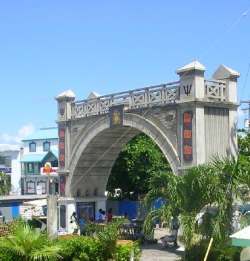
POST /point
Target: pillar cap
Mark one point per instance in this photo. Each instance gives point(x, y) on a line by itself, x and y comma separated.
point(194, 65)
point(93, 95)
point(224, 72)
point(66, 96)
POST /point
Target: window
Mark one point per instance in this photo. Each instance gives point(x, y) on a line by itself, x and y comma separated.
point(30, 186)
point(30, 167)
point(32, 147)
point(62, 215)
point(46, 146)
point(41, 186)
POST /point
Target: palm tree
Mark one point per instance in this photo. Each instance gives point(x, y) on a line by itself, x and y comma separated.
point(207, 186)
point(28, 244)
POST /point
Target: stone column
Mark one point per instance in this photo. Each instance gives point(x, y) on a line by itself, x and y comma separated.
point(191, 94)
point(52, 216)
point(230, 76)
point(65, 104)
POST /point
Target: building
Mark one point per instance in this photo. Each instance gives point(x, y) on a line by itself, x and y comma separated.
point(39, 162)
point(10, 164)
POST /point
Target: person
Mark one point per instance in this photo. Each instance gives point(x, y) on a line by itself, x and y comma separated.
point(172, 238)
point(109, 216)
point(82, 224)
point(175, 225)
point(74, 222)
point(101, 216)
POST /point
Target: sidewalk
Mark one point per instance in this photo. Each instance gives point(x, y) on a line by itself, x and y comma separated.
point(156, 252)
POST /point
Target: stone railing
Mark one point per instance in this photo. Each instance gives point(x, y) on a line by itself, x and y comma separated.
point(215, 90)
point(144, 97)
point(138, 98)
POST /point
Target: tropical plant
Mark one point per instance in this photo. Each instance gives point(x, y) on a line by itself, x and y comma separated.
point(5, 184)
point(26, 243)
point(209, 189)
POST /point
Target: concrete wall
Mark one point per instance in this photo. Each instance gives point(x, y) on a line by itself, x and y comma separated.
point(216, 132)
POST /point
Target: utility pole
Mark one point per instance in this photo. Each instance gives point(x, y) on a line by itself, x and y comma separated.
point(247, 109)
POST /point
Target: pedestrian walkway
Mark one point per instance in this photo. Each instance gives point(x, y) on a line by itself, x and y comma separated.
point(156, 252)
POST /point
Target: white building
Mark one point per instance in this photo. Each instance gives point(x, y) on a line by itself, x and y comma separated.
point(38, 150)
point(11, 166)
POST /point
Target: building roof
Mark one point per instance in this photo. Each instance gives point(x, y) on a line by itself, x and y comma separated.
point(43, 134)
point(38, 157)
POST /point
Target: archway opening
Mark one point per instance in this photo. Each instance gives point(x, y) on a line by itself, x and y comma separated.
point(138, 161)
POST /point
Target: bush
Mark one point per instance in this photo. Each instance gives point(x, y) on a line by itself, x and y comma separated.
point(81, 248)
point(219, 252)
point(124, 251)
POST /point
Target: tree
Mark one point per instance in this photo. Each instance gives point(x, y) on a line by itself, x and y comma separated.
point(135, 165)
point(202, 189)
point(5, 184)
point(28, 244)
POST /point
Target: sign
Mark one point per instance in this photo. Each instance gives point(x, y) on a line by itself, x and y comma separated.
point(116, 116)
point(6, 170)
point(62, 147)
point(187, 136)
point(51, 171)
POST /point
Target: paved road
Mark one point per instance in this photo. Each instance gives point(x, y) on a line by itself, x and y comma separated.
point(157, 253)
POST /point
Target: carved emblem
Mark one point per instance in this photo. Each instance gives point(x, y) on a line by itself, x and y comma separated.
point(116, 116)
point(187, 89)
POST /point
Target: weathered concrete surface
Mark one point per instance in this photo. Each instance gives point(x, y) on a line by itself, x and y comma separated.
point(158, 253)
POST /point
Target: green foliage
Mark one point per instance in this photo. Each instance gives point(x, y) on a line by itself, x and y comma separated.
point(108, 238)
point(136, 163)
point(5, 184)
point(203, 188)
point(219, 252)
point(28, 244)
point(123, 252)
point(80, 248)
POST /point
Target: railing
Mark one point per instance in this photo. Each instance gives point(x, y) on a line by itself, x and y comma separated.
point(144, 97)
point(138, 98)
point(215, 90)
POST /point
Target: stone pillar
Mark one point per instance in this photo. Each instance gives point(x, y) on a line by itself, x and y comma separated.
point(192, 135)
point(230, 76)
point(52, 216)
point(65, 110)
point(100, 203)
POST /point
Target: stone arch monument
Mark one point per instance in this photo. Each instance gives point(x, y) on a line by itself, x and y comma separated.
point(191, 120)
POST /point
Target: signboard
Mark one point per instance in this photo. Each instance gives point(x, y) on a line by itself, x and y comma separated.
point(187, 136)
point(116, 116)
point(6, 170)
point(62, 147)
point(52, 171)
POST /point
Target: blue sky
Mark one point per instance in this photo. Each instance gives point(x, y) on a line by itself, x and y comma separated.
point(47, 47)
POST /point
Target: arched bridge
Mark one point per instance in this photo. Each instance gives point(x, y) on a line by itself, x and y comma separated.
point(191, 120)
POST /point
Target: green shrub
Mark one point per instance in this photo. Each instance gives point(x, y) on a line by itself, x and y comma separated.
point(81, 248)
point(219, 252)
point(123, 252)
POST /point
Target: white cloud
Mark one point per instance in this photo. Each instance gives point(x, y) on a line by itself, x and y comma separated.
point(13, 142)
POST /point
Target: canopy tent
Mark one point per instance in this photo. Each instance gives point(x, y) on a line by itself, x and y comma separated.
point(241, 238)
point(36, 203)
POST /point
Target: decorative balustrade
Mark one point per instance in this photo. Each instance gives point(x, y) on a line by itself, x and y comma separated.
point(139, 98)
point(144, 97)
point(215, 90)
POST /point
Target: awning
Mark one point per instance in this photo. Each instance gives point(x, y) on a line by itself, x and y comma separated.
point(38, 157)
point(35, 157)
point(36, 203)
point(241, 238)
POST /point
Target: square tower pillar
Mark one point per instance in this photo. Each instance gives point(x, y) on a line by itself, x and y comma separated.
point(191, 115)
